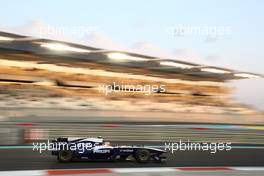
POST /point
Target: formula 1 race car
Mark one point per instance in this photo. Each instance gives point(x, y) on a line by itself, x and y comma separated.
point(68, 149)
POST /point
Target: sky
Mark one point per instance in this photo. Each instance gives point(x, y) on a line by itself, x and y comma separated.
point(221, 33)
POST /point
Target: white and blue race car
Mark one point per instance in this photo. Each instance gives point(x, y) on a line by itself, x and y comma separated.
point(68, 149)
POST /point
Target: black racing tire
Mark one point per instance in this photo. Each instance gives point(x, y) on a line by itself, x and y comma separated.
point(142, 156)
point(65, 156)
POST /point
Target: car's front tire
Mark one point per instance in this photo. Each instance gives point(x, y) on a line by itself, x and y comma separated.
point(65, 156)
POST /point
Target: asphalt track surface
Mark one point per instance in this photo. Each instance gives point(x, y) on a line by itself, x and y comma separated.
point(26, 159)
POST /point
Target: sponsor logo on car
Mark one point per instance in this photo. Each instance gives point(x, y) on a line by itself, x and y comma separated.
point(101, 151)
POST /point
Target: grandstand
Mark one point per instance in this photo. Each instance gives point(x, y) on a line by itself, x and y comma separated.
point(45, 73)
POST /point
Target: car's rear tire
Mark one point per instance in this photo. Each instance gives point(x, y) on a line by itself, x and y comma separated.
point(65, 156)
point(142, 156)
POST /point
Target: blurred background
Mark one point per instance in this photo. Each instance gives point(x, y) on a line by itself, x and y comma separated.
point(46, 81)
point(51, 74)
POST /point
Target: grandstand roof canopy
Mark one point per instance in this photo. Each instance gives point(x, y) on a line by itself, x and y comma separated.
point(47, 47)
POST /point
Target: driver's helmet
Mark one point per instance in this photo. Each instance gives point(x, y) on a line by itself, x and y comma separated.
point(106, 143)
